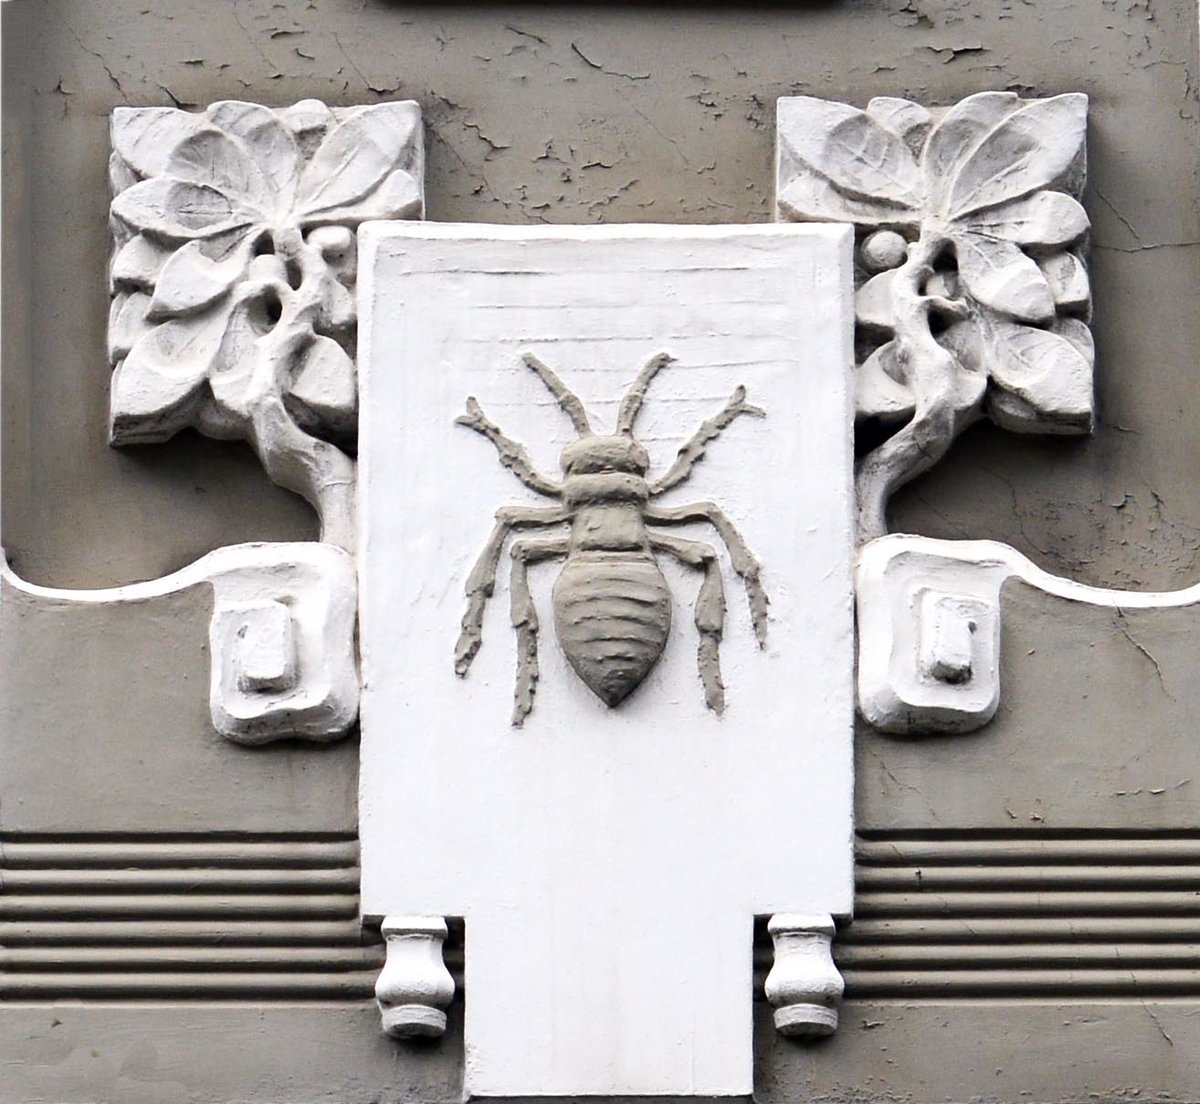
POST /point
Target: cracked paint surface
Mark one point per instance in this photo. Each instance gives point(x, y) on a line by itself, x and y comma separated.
point(570, 114)
point(550, 114)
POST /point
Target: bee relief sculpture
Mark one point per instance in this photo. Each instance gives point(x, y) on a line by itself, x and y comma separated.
point(612, 605)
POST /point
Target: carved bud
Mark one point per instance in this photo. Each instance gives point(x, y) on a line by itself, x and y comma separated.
point(804, 985)
point(414, 987)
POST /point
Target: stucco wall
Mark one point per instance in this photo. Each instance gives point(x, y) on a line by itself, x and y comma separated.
point(575, 113)
point(579, 114)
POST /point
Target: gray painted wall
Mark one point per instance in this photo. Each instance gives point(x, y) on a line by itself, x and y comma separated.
point(575, 113)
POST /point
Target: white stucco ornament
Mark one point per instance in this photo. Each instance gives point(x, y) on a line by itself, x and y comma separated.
point(233, 277)
point(281, 636)
point(614, 432)
point(930, 628)
point(972, 295)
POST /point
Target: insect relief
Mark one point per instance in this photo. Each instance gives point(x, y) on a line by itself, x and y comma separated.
point(611, 601)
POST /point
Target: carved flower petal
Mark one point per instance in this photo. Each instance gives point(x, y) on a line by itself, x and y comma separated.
point(210, 157)
point(908, 119)
point(997, 274)
point(873, 304)
point(145, 137)
point(878, 392)
point(957, 136)
point(157, 387)
point(1068, 280)
point(356, 155)
point(268, 141)
point(858, 155)
point(1046, 219)
point(1041, 383)
point(190, 281)
point(810, 198)
point(1027, 150)
point(398, 197)
point(177, 209)
point(323, 397)
point(126, 322)
point(137, 263)
point(1078, 334)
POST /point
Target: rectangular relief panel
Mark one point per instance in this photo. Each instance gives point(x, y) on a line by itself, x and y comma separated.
point(612, 748)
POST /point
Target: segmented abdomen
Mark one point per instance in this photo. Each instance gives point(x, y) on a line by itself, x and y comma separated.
point(612, 613)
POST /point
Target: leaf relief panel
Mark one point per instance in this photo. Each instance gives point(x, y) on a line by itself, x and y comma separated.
point(233, 273)
point(972, 294)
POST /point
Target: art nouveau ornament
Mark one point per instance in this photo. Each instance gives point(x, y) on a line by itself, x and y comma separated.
point(233, 278)
point(612, 606)
point(692, 768)
point(972, 298)
point(281, 637)
point(622, 840)
point(233, 313)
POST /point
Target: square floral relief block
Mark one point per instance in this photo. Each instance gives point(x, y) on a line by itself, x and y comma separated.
point(233, 274)
point(973, 299)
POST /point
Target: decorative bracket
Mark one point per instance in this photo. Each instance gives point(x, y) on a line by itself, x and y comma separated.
point(929, 617)
point(281, 638)
point(414, 988)
point(804, 986)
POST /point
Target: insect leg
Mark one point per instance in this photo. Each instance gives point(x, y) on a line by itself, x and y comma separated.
point(692, 452)
point(512, 455)
point(740, 555)
point(481, 583)
point(525, 618)
point(710, 611)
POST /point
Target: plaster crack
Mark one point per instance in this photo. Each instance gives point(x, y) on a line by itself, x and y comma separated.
point(1145, 1007)
point(1120, 218)
point(253, 44)
point(350, 61)
point(99, 57)
point(608, 72)
point(526, 34)
point(903, 785)
point(1120, 623)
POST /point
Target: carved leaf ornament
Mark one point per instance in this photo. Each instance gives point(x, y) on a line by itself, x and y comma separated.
point(972, 295)
point(233, 309)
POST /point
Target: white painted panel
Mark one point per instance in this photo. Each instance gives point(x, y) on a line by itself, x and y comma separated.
point(608, 861)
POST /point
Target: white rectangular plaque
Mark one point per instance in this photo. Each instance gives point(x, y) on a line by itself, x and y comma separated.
point(609, 860)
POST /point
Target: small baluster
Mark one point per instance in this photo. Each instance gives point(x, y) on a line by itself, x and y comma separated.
point(414, 987)
point(804, 986)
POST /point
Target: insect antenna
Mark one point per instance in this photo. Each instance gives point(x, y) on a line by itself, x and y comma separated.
point(631, 404)
point(567, 398)
point(692, 452)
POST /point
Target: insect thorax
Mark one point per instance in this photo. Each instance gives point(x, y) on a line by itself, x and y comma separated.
point(604, 470)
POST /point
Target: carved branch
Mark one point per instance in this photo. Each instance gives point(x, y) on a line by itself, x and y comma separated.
point(232, 278)
point(968, 214)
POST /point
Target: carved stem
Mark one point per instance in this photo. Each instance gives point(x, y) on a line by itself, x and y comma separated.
point(931, 375)
point(310, 467)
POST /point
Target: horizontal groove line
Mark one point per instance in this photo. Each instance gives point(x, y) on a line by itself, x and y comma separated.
point(939, 836)
point(1103, 903)
point(233, 837)
point(132, 959)
point(221, 930)
point(1017, 929)
point(998, 878)
point(1029, 853)
point(1057, 955)
point(1066, 983)
point(207, 853)
point(202, 906)
point(359, 984)
point(162, 880)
